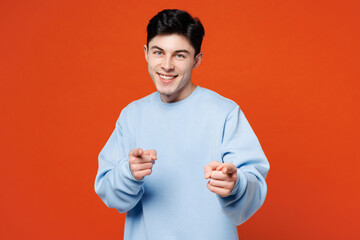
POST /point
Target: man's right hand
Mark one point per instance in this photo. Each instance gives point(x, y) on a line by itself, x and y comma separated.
point(141, 162)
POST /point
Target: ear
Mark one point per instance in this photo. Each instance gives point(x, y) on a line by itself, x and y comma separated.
point(146, 52)
point(198, 59)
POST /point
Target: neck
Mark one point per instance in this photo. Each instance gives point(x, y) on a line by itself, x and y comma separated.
point(176, 98)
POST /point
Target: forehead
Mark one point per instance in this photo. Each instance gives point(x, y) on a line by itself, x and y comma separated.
point(171, 43)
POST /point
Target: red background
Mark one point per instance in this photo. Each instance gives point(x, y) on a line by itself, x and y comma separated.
point(67, 68)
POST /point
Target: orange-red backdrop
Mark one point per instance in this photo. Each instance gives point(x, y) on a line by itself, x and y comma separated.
point(67, 68)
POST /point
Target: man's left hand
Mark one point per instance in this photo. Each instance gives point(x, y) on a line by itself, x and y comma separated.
point(222, 177)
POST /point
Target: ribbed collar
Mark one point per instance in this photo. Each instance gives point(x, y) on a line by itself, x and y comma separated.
point(179, 103)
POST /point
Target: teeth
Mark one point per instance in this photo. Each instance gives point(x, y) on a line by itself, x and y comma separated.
point(167, 77)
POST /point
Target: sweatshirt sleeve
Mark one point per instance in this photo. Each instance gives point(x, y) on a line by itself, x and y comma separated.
point(114, 182)
point(241, 147)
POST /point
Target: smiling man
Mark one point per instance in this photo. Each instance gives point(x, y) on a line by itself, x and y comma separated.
point(171, 59)
point(210, 169)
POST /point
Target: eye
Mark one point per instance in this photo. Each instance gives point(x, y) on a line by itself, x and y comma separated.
point(181, 56)
point(158, 53)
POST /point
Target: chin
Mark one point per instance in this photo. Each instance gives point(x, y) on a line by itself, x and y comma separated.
point(165, 93)
point(165, 90)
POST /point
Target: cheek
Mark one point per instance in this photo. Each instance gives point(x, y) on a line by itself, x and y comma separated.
point(151, 66)
point(186, 68)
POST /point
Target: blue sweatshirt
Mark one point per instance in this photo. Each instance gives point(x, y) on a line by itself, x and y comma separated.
point(174, 201)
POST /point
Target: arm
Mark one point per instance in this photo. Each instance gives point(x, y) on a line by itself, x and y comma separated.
point(114, 182)
point(240, 148)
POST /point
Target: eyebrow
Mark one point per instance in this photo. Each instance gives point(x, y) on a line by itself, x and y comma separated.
point(177, 51)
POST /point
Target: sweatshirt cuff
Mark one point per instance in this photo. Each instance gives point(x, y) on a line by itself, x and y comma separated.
point(240, 184)
point(130, 180)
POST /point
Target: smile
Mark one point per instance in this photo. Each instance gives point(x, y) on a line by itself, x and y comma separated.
point(167, 78)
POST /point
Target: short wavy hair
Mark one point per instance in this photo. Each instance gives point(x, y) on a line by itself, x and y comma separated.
point(174, 21)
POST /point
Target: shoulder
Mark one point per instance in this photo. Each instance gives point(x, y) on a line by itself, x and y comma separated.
point(142, 102)
point(216, 101)
point(130, 110)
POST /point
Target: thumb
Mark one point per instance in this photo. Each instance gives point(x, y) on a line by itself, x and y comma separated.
point(137, 152)
point(229, 168)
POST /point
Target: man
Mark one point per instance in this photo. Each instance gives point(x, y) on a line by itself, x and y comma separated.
point(210, 169)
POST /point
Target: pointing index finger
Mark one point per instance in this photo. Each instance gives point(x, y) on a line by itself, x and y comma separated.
point(210, 167)
point(151, 153)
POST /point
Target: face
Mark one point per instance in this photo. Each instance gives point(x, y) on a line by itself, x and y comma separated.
point(171, 61)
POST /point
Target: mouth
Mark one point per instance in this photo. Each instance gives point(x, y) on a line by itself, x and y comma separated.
point(166, 78)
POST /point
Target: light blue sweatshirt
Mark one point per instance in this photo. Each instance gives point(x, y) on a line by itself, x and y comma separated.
point(174, 202)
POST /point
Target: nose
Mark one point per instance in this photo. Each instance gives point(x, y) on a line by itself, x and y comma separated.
point(167, 64)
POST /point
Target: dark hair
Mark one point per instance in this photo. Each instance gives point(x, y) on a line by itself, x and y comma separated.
point(170, 21)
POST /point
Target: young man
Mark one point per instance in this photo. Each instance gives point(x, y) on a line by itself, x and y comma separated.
point(210, 169)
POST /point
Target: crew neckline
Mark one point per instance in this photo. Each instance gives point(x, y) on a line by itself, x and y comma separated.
point(187, 99)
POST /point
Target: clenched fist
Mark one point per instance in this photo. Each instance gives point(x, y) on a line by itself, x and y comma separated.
point(141, 162)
